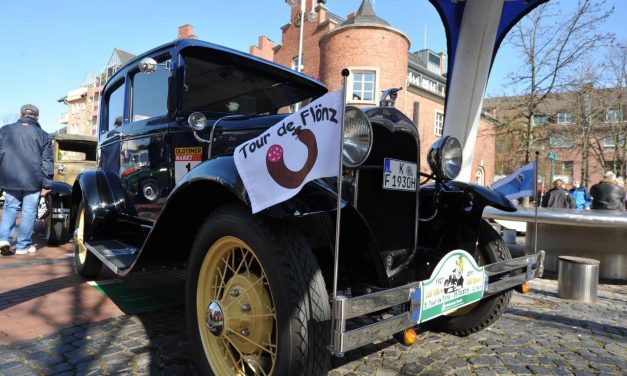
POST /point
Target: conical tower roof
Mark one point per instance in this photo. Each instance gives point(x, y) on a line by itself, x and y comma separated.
point(365, 16)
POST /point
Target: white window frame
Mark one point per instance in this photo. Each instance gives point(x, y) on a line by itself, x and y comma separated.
point(438, 127)
point(295, 63)
point(619, 115)
point(533, 119)
point(480, 176)
point(351, 77)
point(567, 121)
point(560, 142)
point(610, 141)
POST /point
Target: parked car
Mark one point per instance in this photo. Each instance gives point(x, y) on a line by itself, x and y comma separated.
point(72, 154)
point(260, 287)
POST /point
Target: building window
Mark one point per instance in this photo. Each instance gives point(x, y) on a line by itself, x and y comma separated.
point(439, 124)
point(363, 86)
point(610, 141)
point(564, 171)
point(480, 176)
point(614, 116)
point(560, 142)
point(295, 63)
point(434, 63)
point(502, 145)
point(539, 119)
point(564, 117)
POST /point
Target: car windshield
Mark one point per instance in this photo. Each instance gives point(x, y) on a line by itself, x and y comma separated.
point(224, 83)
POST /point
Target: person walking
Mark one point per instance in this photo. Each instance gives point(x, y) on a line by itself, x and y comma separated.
point(26, 172)
point(581, 195)
point(607, 195)
point(559, 197)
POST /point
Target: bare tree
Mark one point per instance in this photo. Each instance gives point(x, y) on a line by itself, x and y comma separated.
point(551, 42)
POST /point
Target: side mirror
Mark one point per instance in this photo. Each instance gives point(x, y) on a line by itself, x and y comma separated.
point(148, 65)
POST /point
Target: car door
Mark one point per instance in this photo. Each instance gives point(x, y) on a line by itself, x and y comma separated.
point(111, 127)
point(145, 169)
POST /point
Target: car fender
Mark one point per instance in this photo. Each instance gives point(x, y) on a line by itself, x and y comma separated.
point(103, 196)
point(60, 200)
point(489, 197)
point(315, 197)
point(207, 186)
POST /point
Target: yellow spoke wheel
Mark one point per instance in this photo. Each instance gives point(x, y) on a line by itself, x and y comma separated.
point(235, 311)
point(87, 264)
point(79, 236)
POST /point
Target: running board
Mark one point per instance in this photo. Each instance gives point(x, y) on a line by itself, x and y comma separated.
point(411, 299)
point(116, 255)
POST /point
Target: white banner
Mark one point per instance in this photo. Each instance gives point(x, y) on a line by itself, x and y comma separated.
point(302, 147)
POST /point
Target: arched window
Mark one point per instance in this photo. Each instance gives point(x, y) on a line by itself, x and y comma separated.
point(480, 176)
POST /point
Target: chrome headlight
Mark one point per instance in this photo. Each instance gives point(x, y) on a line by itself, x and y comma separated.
point(357, 137)
point(445, 158)
point(197, 121)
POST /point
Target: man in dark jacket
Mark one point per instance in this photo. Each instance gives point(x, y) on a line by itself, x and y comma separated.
point(560, 197)
point(26, 171)
point(607, 194)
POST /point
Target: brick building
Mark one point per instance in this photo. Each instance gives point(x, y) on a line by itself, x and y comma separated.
point(584, 130)
point(379, 58)
point(83, 103)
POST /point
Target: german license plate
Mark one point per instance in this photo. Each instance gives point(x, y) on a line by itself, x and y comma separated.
point(399, 175)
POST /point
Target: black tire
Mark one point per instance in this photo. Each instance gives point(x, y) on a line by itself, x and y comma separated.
point(297, 290)
point(88, 266)
point(55, 233)
point(488, 310)
point(150, 189)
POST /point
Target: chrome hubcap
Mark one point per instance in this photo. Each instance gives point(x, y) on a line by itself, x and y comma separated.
point(214, 318)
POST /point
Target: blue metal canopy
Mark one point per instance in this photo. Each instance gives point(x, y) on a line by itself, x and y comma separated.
point(474, 31)
point(451, 12)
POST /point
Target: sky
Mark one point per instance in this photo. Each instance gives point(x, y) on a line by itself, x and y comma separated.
point(47, 47)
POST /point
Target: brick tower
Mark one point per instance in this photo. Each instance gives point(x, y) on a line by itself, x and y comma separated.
point(364, 44)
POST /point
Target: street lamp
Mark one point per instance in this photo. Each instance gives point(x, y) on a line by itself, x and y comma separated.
point(552, 157)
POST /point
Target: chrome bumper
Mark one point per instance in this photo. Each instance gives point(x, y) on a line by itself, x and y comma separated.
point(410, 295)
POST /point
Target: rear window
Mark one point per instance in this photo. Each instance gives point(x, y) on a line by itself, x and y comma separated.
point(76, 151)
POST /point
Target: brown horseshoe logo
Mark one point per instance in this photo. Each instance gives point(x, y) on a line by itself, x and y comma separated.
point(280, 172)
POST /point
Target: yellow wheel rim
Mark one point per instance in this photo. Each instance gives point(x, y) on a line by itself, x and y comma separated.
point(79, 234)
point(239, 336)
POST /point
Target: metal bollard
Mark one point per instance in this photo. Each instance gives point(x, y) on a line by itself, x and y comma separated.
point(578, 278)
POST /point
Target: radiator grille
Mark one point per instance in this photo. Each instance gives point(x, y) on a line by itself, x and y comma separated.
point(390, 214)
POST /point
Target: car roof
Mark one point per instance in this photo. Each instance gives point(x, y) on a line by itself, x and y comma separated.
point(180, 44)
point(74, 137)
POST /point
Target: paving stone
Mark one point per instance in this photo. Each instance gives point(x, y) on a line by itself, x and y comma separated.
point(412, 369)
point(59, 369)
point(4, 367)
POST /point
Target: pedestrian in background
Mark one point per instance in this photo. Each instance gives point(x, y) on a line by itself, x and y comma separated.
point(559, 197)
point(621, 183)
point(581, 195)
point(26, 171)
point(607, 195)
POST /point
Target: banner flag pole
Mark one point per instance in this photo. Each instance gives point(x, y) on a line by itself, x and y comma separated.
point(336, 256)
point(536, 204)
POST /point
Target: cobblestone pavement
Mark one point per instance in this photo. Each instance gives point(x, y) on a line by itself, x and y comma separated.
point(539, 334)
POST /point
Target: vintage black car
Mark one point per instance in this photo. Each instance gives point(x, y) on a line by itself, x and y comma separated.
point(72, 154)
point(260, 287)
